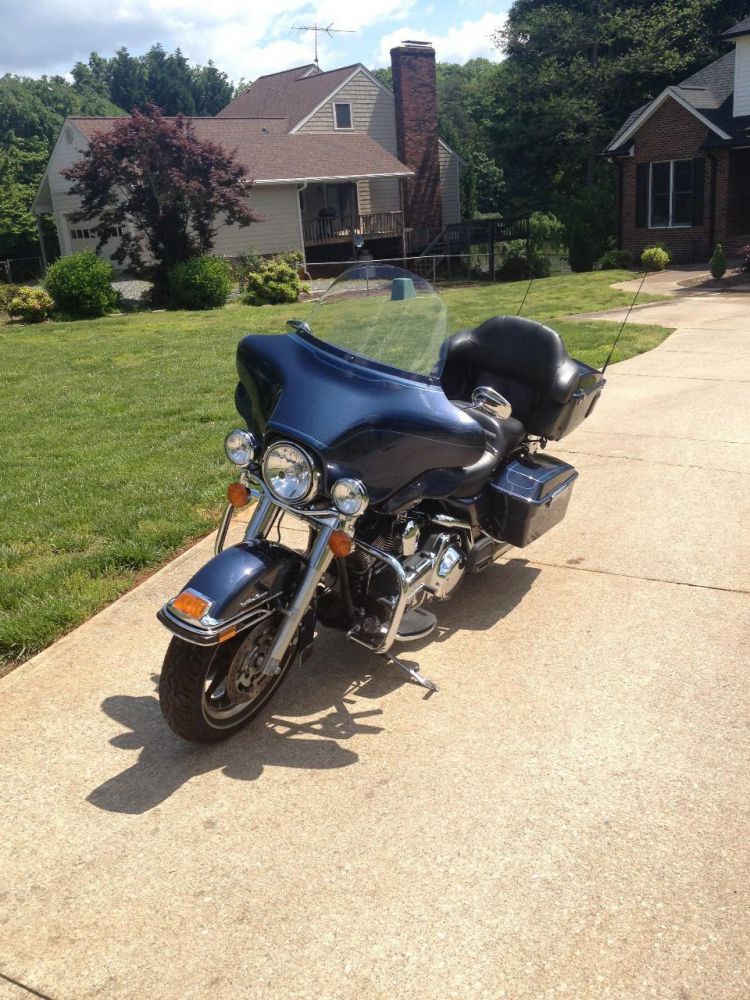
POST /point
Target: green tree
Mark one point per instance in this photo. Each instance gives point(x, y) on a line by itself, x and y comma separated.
point(31, 113)
point(575, 70)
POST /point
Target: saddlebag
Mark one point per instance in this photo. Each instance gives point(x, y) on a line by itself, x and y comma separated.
point(529, 496)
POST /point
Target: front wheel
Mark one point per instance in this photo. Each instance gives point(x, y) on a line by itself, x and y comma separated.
point(209, 693)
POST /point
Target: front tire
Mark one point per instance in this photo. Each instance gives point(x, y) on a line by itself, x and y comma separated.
point(207, 693)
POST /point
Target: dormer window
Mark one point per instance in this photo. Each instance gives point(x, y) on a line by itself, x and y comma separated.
point(342, 115)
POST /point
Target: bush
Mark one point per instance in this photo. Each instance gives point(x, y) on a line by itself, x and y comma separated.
point(718, 263)
point(200, 283)
point(274, 282)
point(30, 305)
point(81, 284)
point(7, 292)
point(516, 265)
point(613, 260)
point(655, 258)
point(745, 253)
point(581, 247)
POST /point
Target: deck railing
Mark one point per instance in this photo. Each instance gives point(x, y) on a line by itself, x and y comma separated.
point(342, 228)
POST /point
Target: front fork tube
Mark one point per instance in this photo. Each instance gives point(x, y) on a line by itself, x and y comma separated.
point(318, 562)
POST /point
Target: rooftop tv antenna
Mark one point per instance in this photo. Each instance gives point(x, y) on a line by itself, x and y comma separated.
point(327, 28)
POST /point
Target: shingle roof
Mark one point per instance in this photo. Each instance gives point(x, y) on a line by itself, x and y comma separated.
point(292, 94)
point(741, 28)
point(272, 155)
point(710, 92)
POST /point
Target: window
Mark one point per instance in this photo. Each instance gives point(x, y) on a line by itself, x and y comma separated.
point(671, 194)
point(342, 114)
point(92, 233)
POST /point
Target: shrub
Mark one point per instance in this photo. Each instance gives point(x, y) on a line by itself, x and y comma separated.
point(655, 258)
point(7, 292)
point(547, 232)
point(274, 282)
point(515, 264)
point(81, 284)
point(30, 305)
point(614, 260)
point(200, 283)
point(580, 247)
point(718, 263)
point(745, 253)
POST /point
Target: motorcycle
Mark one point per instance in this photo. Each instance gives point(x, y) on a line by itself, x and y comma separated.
point(413, 457)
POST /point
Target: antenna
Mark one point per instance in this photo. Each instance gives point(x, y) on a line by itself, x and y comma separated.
point(328, 29)
point(622, 325)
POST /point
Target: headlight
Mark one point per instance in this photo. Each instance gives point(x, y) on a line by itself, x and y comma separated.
point(349, 496)
point(240, 447)
point(289, 472)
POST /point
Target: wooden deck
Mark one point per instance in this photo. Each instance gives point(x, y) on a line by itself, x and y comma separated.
point(342, 229)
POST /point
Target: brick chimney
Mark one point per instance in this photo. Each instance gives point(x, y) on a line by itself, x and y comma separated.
point(415, 91)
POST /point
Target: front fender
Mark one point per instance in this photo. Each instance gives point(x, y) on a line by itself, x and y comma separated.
point(238, 584)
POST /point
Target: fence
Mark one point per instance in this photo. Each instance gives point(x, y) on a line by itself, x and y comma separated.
point(446, 268)
point(16, 269)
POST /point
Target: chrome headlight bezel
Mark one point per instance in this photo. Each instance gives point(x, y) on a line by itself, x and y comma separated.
point(245, 443)
point(349, 496)
point(311, 477)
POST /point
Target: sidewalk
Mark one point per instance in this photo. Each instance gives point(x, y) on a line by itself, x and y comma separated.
point(568, 817)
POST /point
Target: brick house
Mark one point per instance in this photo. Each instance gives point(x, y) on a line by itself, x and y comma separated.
point(333, 156)
point(683, 162)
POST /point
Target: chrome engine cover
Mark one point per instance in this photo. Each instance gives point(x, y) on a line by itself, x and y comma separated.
point(438, 567)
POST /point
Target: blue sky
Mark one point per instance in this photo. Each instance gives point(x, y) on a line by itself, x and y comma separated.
point(243, 37)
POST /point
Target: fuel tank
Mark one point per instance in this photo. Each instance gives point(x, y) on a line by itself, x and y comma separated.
point(362, 421)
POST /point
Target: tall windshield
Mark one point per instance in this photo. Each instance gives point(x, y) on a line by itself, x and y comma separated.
point(385, 314)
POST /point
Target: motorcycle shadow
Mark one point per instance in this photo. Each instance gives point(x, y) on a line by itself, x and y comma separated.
point(320, 706)
point(483, 600)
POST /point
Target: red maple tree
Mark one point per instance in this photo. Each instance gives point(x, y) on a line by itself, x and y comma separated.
point(167, 190)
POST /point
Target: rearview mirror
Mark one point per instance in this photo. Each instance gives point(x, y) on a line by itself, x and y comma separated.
point(298, 326)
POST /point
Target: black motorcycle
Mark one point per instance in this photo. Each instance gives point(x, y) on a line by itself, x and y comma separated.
point(412, 458)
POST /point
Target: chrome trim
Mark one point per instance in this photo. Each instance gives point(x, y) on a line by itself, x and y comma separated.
point(363, 495)
point(446, 521)
point(201, 636)
point(221, 534)
point(253, 446)
point(408, 585)
point(314, 470)
point(318, 562)
point(491, 402)
point(196, 593)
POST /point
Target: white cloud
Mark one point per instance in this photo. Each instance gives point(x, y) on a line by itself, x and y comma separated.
point(465, 41)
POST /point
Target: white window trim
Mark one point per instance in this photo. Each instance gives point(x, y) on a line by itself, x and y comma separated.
point(670, 224)
point(343, 128)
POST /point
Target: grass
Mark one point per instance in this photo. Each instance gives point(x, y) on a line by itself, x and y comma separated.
point(111, 455)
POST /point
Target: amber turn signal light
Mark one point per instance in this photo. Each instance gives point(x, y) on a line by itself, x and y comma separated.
point(190, 605)
point(340, 544)
point(238, 495)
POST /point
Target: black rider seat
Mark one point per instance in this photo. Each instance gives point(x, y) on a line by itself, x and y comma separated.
point(526, 362)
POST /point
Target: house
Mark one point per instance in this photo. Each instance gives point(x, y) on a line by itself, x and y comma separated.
point(333, 156)
point(683, 161)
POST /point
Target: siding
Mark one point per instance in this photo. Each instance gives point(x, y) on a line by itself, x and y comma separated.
point(280, 229)
point(372, 112)
point(449, 189)
point(65, 154)
point(742, 78)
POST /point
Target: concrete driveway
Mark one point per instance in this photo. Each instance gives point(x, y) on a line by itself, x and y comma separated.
point(567, 818)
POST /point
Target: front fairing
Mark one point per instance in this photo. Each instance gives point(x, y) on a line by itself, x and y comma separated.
point(378, 426)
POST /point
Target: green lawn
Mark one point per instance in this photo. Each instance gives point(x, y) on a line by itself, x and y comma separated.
point(112, 438)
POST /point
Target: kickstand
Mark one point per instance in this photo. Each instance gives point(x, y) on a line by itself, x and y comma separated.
point(410, 672)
